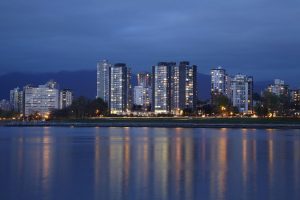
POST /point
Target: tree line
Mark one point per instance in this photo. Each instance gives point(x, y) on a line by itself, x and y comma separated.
point(269, 104)
point(82, 108)
point(265, 105)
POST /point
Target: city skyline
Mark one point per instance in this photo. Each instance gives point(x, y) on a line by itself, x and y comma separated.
point(171, 88)
point(246, 37)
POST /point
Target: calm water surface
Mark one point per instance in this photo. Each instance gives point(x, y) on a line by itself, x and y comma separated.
point(148, 163)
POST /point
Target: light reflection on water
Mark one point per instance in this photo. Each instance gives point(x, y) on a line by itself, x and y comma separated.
point(149, 163)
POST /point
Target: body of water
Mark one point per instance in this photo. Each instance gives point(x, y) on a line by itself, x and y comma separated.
point(148, 163)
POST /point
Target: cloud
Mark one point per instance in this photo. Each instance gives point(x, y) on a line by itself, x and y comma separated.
point(244, 36)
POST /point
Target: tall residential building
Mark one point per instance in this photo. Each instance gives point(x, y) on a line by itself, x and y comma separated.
point(174, 87)
point(120, 89)
point(144, 79)
point(228, 91)
point(161, 87)
point(220, 83)
point(41, 99)
point(278, 88)
point(129, 90)
point(103, 80)
point(147, 97)
point(138, 95)
point(242, 93)
point(187, 86)
point(16, 100)
point(143, 92)
point(143, 96)
point(65, 98)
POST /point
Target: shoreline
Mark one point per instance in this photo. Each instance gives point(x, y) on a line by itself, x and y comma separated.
point(154, 125)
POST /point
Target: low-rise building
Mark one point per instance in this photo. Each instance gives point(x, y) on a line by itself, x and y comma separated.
point(41, 99)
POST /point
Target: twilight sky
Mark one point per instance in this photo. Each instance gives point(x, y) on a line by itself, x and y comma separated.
point(259, 38)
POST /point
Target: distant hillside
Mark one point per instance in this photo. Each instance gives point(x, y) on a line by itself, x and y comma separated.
point(84, 82)
point(81, 82)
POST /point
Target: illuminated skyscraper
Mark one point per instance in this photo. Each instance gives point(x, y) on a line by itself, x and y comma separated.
point(103, 80)
point(161, 87)
point(187, 86)
point(120, 89)
point(220, 83)
point(143, 96)
point(138, 95)
point(143, 91)
point(174, 87)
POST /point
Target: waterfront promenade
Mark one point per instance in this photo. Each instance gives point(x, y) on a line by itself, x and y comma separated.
point(280, 123)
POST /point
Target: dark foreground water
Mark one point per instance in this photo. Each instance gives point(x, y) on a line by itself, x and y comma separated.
point(148, 163)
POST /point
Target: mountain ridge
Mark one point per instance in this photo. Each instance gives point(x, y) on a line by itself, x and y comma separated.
point(83, 82)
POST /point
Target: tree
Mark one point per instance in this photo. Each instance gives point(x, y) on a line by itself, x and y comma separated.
point(8, 114)
point(78, 107)
point(188, 112)
point(207, 109)
point(261, 110)
point(234, 110)
point(35, 116)
point(96, 108)
point(137, 108)
point(273, 104)
point(221, 104)
point(256, 97)
point(61, 114)
point(82, 108)
point(284, 105)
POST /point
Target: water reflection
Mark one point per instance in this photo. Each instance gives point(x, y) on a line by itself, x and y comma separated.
point(149, 163)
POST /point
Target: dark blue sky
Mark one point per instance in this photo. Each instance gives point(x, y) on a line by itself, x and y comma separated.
point(260, 38)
